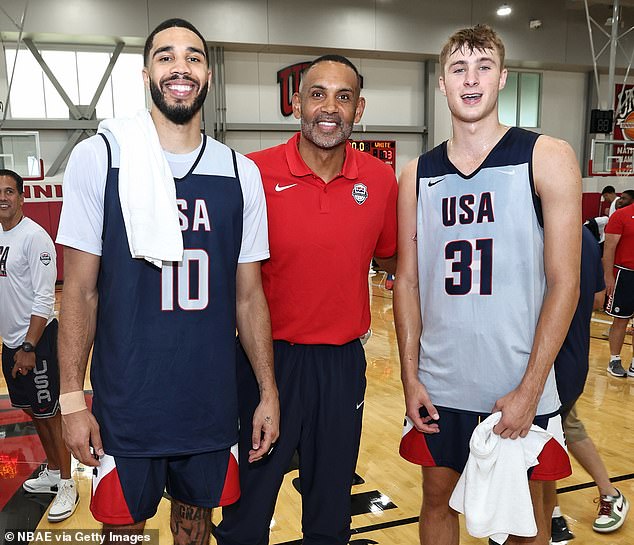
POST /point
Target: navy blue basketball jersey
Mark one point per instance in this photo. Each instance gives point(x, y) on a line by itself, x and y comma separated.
point(163, 367)
point(481, 275)
point(571, 364)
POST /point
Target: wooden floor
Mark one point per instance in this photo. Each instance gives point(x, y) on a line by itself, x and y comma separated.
point(604, 408)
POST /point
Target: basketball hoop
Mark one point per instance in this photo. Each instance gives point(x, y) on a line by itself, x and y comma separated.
point(611, 158)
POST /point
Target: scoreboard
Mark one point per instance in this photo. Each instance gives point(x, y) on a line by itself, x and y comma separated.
point(384, 150)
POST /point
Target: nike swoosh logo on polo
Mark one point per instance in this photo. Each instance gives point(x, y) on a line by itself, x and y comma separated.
point(359, 404)
point(435, 181)
point(279, 187)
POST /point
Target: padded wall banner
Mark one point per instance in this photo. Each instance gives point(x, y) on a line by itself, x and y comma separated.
point(624, 112)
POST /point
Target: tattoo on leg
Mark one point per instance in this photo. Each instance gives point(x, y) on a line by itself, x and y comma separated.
point(190, 525)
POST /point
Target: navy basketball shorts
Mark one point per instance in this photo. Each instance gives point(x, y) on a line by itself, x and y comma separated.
point(321, 390)
point(621, 303)
point(450, 447)
point(128, 490)
point(38, 390)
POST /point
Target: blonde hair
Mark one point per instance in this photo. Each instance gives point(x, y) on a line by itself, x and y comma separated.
point(477, 37)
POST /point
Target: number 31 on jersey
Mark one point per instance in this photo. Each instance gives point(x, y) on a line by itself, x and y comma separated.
point(469, 266)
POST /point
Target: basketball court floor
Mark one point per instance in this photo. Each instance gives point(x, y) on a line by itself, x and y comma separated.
point(387, 498)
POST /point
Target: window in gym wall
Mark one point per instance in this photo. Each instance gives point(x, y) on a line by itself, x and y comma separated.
point(128, 91)
point(27, 91)
point(33, 96)
point(90, 69)
point(519, 101)
point(64, 65)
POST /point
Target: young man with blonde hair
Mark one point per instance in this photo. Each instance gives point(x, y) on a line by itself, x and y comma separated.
point(487, 283)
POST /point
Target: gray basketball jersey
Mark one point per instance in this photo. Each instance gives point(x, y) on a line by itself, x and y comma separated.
point(481, 275)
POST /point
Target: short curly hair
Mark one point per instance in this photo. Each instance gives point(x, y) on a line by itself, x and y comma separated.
point(173, 23)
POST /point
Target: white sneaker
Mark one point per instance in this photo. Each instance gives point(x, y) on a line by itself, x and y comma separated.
point(65, 502)
point(44, 483)
point(612, 513)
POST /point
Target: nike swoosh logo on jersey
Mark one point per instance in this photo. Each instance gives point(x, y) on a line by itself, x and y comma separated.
point(509, 171)
point(435, 181)
point(279, 187)
point(359, 404)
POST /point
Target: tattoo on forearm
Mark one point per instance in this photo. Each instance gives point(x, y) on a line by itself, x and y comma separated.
point(190, 525)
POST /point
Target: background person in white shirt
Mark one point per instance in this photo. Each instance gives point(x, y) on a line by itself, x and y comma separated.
point(29, 339)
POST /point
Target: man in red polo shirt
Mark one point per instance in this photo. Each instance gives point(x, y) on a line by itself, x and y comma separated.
point(332, 205)
point(618, 267)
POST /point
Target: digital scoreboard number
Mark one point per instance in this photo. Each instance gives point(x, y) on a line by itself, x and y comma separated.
point(384, 150)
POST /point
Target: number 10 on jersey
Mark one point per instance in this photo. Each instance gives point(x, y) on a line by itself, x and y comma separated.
point(469, 266)
point(188, 298)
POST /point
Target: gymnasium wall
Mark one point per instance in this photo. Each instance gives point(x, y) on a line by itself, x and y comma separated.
point(392, 42)
point(416, 27)
point(393, 90)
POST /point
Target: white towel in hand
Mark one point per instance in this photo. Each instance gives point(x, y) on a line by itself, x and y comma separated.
point(492, 491)
point(146, 190)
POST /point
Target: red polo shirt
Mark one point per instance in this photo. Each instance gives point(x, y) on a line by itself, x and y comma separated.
point(322, 237)
point(622, 223)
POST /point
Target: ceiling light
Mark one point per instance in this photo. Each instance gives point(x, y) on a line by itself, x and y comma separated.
point(504, 10)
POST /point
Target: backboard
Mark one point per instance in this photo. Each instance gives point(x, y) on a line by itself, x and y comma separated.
point(20, 152)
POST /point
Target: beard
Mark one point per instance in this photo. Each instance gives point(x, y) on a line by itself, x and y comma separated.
point(312, 133)
point(177, 113)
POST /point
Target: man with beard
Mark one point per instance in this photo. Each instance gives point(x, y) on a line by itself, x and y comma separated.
point(326, 203)
point(164, 414)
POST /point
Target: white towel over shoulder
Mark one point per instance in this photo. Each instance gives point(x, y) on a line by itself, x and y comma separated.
point(147, 190)
point(492, 491)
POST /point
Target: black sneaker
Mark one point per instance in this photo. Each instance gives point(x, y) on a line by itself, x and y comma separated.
point(559, 530)
point(615, 368)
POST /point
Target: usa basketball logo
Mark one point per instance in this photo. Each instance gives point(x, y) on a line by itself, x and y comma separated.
point(360, 193)
point(45, 258)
